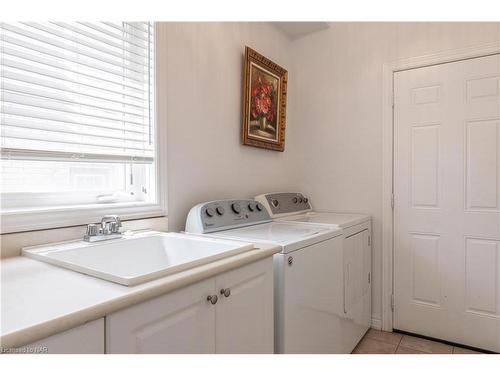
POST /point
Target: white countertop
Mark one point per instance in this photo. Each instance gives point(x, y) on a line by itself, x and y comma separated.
point(39, 300)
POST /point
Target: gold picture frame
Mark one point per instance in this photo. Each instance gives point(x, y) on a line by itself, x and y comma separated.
point(264, 106)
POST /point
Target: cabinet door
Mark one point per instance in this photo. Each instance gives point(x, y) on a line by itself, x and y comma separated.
point(179, 322)
point(85, 339)
point(244, 319)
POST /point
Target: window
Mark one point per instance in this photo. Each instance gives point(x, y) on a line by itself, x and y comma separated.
point(77, 116)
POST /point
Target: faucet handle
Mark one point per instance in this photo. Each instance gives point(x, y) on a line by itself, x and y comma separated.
point(109, 218)
point(114, 227)
point(110, 224)
point(91, 230)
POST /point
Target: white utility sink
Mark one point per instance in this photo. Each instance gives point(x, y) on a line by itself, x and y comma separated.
point(137, 258)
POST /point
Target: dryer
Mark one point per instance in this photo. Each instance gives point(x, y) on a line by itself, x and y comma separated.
point(308, 275)
point(297, 208)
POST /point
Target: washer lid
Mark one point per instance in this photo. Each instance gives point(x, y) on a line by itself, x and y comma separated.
point(342, 220)
point(291, 236)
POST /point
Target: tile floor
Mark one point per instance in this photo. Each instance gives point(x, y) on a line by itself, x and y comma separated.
point(380, 342)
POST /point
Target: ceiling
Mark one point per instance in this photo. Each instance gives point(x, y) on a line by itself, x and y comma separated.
point(295, 30)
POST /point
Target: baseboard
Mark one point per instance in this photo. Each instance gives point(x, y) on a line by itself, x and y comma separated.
point(450, 343)
point(377, 323)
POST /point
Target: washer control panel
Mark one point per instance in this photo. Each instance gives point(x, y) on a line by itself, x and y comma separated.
point(285, 203)
point(225, 214)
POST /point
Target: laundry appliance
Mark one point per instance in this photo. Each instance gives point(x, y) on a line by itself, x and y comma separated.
point(308, 272)
point(357, 241)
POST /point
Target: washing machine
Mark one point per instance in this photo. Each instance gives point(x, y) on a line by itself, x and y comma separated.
point(308, 272)
point(297, 208)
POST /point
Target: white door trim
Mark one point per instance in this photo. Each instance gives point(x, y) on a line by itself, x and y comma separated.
point(388, 155)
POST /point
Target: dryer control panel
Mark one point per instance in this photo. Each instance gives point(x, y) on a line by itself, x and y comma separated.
point(282, 204)
point(225, 214)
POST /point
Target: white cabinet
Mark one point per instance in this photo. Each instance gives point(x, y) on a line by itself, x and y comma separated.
point(85, 339)
point(244, 319)
point(185, 321)
point(179, 322)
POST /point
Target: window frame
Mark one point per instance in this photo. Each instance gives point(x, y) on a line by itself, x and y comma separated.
point(75, 215)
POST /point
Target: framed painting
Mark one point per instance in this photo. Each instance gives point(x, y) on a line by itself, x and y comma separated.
point(264, 107)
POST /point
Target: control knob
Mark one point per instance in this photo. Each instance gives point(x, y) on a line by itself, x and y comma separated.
point(251, 206)
point(220, 210)
point(275, 202)
point(259, 207)
point(210, 212)
point(236, 208)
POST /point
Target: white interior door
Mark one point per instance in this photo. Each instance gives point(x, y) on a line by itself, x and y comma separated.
point(447, 201)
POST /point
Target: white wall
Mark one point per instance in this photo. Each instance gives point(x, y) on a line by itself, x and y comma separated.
point(337, 111)
point(334, 130)
point(204, 72)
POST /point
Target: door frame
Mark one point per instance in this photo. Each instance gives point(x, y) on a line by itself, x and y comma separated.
point(388, 71)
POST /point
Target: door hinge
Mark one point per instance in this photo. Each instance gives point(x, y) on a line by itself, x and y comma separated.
point(369, 240)
point(392, 201)
point(393, 100)
point(392, 302)
point(369, 277)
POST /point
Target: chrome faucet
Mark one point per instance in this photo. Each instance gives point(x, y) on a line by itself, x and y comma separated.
point(110, 229)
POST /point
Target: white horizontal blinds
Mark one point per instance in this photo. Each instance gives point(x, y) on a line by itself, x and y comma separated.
point(77, 91)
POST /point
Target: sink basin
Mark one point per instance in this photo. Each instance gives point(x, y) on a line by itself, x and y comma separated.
point(137, 258)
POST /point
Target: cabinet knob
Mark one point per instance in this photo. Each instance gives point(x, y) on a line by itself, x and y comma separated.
point(290, 261)
point(225, 292)
point(212, 299)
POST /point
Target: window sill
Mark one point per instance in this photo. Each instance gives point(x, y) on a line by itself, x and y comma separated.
point(58, 217)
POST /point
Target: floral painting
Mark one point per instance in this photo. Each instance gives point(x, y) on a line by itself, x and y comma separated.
point(265, 102)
